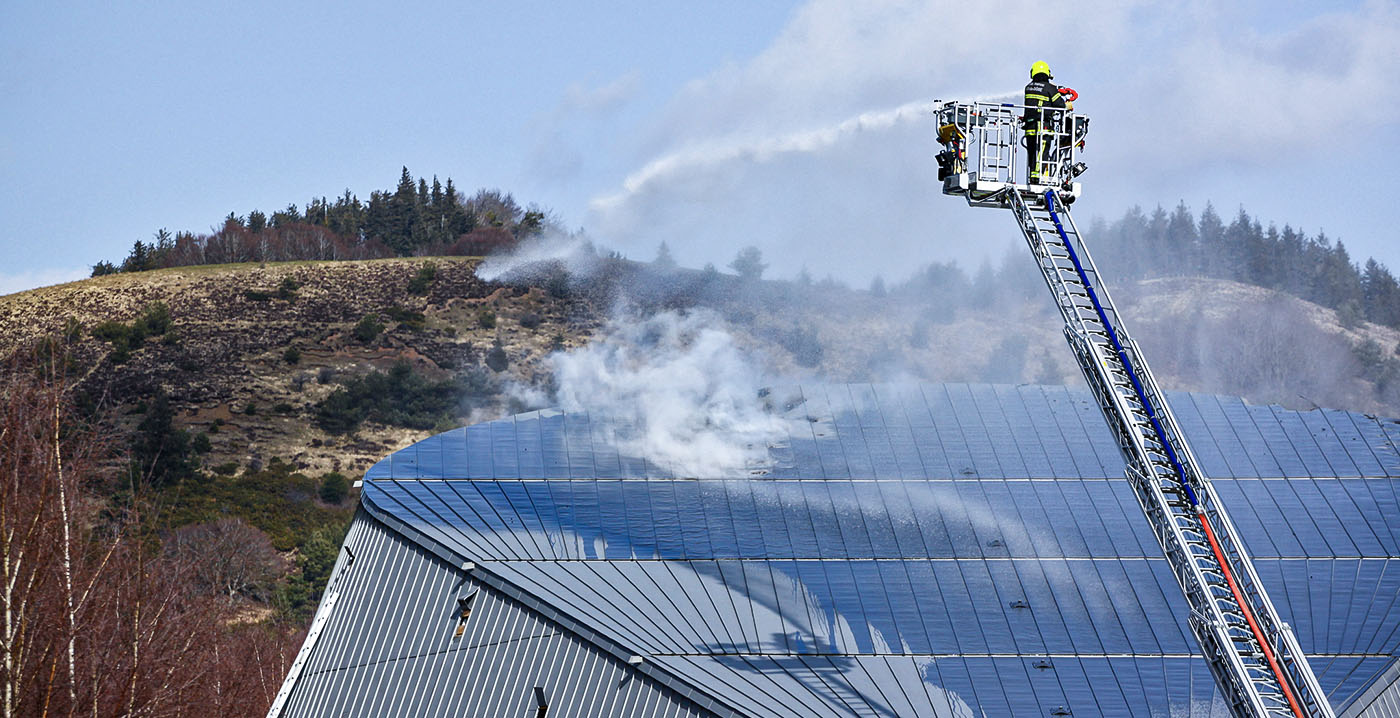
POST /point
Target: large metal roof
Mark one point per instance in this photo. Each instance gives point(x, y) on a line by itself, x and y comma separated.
point(916, 549)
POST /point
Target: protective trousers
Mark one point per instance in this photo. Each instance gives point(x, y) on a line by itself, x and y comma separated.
point(1040, 155)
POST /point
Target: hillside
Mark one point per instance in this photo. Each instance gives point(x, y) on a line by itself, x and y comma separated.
point(226, 362)
point(255, 350)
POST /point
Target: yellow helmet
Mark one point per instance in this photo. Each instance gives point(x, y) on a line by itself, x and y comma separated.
point(1040, 67)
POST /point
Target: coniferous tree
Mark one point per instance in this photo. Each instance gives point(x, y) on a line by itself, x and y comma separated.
point(1183, 242)
point(1380, 293)
point(1211, 233)
point(664, 261)
point(161, 452)
point(749, 263)
point(139, 260)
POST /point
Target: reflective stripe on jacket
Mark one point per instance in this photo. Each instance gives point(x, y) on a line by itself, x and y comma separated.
point(1041, 93)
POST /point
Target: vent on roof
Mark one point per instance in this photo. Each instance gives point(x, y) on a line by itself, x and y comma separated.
point(1018, 603)
point(1060, 711)
point(464, 607)
point(1043, 665)
point(541, 705)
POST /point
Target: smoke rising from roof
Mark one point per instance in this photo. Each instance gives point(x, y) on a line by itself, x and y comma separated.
point(675, 388)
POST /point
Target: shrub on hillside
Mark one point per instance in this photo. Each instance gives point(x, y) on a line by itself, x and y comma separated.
point(407, 318)
point(398, 397)
point(368, 328)
point(423, 279)
point(276, 498)
point(496, 357)
point(334, 488)
point(125, 338)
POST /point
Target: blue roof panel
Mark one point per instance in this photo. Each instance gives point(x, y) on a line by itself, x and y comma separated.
point(846, 554)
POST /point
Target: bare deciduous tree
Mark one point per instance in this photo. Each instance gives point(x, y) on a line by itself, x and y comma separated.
point(228, 558)
point(91, 623)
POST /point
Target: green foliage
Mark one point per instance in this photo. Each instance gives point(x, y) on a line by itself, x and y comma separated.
point(531, 320)
point(486, 319)
point(251, 409)
point(407, 318)
point(154, 320)
point(283, 408)
point(200, 443)
point(367, 329)
point(160, 453)
point(531, 224)
point(292, 355)
point(1376, 365)
point(1349, 315)
point(664, 260)
point(228, 468)
point(749, 263)
point(103, 268)
point(1007, 362)
point(140, 259)
point(276, 499)
point(256, 295)
point(316, 558)
point(287, 289)
point(496, 358)
point(423, 280)
point(398, 397)
point(334, 488)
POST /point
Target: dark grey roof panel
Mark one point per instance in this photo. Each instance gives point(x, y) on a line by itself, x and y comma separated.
point(389, 648)
point(1379, 700)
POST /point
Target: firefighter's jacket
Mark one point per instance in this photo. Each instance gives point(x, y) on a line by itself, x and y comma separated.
point(1042, 94)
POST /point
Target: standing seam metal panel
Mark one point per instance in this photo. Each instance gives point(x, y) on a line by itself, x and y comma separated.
point(387, 648)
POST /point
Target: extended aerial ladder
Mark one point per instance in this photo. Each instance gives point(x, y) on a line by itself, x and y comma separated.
point(1253, 654)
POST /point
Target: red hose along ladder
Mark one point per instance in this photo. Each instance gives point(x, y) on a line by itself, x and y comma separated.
point(1253, 654)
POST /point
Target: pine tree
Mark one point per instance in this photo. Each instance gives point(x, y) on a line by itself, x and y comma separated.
point(749, 263)
point(664, 261)
point(1211, 233)
point(1183, 241)
point(139, 260)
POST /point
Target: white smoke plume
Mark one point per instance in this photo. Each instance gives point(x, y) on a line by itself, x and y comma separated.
point(570, 250)
point(676, 389)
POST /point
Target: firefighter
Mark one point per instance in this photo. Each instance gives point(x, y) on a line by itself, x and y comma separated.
point(1044, 105)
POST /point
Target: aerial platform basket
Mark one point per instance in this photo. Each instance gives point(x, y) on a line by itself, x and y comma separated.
point(986, 151)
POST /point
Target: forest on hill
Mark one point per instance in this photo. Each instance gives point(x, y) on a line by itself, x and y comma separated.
point(420, 217)
point(416, 218)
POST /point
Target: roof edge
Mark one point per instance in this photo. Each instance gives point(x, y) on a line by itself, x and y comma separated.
point(479, 571)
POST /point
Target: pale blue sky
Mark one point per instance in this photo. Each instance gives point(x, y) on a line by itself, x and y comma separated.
point(644, 122)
